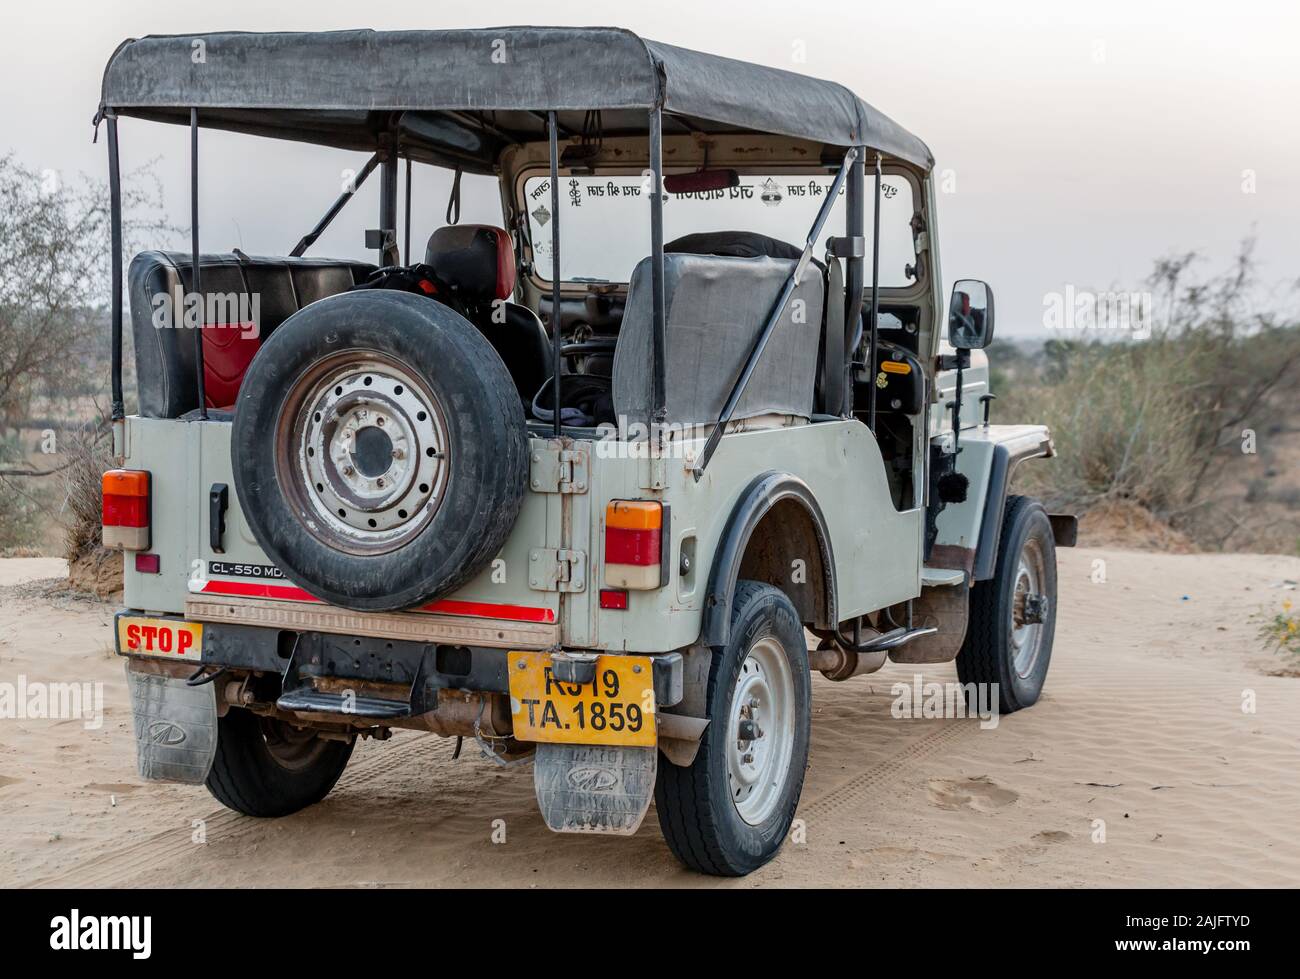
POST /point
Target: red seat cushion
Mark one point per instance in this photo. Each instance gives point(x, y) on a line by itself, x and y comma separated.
point(228, 349)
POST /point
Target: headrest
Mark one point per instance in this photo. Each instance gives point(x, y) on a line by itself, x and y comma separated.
point(476, 260)
point(733, 244)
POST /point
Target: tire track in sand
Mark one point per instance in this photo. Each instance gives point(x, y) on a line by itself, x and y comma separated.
point(859, 788)
point(163, 847)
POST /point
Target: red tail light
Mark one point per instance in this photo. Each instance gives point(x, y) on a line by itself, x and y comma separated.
point(634, 536)
point(126, 509)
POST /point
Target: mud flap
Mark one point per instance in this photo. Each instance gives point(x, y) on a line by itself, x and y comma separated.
point(594, 788)
point(175, 727)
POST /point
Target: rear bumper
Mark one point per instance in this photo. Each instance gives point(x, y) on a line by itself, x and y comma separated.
point(423, 668)
point(467, 623)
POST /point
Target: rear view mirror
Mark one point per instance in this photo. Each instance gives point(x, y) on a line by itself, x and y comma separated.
point(970, 315)
point(701, 181)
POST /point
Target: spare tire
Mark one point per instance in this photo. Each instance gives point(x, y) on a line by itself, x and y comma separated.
point(379, 450)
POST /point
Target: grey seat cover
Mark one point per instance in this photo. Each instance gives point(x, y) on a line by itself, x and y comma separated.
point(716, 308)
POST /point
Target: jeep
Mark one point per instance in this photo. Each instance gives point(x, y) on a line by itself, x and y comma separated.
point(599, 488)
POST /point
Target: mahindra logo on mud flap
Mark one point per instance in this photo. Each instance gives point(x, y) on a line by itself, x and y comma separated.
point(593, 779)
point(164, 733)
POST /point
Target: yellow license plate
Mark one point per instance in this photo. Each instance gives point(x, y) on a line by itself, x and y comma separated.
point(618, 707)
point(167, 638)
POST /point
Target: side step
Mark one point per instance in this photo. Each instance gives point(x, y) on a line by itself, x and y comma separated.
point(891, 639)
point(311, 701)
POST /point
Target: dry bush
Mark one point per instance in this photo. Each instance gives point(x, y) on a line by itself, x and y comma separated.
point(88, 454)
point(1160, 423)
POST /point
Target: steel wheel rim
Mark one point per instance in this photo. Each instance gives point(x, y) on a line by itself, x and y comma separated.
point(362, 453)
point(1026, 636)
point(757, 770)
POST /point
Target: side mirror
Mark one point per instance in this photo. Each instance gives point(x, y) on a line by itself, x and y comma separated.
point(970, 315)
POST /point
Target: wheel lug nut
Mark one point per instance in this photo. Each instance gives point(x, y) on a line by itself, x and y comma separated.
point(749, 758)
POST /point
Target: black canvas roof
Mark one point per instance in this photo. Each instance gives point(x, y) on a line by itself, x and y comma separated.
point(458, 97)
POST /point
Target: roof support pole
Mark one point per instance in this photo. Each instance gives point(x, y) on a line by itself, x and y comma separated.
point(115, 234)
point(196, 284)
point(406, 224)
point(875, 306)
point(388, 208)
point(854, 219)
point(552, 132)
point(659, 396)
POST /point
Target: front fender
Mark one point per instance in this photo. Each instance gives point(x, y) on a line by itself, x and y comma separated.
point(968, 532)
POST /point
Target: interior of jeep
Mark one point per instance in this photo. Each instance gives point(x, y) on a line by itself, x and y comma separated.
point(718, 288)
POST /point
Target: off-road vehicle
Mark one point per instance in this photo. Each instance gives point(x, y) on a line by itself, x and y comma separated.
point(579, 487)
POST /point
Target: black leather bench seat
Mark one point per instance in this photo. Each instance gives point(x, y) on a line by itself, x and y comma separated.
point(245, 299)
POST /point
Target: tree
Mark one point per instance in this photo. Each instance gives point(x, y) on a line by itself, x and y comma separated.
point(55, 291)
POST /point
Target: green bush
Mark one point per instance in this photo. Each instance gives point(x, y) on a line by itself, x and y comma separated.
point(1160, 422)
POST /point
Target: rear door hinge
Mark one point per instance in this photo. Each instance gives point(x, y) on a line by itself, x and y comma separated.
point(557, 570)
point(555, 469)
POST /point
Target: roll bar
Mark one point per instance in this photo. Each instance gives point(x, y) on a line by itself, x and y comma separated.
point(778, 308)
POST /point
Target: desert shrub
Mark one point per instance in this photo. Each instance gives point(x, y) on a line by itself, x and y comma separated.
point(1159, 422)
point(88, 453)
point(1281, 632)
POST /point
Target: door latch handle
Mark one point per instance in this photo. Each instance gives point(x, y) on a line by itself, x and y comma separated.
point(218, 500)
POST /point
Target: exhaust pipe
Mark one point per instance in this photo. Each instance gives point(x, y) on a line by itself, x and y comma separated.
point(836, 663)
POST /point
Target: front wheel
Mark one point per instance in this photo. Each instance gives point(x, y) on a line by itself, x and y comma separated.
point(729, 812)
point(265, 767)
point(1013, 614)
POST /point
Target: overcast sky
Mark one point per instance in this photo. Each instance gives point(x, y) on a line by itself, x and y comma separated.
point(1080, 140)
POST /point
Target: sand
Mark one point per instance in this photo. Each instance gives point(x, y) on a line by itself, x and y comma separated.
point(1139, 767)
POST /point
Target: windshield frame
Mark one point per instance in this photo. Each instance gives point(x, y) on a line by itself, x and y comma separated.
point(518, 204)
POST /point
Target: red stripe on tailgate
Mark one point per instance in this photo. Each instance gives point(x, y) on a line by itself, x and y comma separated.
point(481, 610)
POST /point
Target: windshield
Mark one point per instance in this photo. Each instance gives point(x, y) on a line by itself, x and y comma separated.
point(605, 220)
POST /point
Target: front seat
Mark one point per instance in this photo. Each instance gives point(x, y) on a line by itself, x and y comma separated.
point(477, 262)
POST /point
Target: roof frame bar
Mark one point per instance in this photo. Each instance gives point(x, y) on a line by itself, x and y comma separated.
point(115, 234)
point(557, 315)
point(310, 237)
point(195, 271)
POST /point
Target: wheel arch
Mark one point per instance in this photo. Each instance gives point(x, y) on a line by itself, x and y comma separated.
point(776, 522)
point(1003, 464)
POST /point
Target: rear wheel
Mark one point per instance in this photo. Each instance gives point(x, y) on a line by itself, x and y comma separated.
point(265, 767)
point(1013, 614)
point(730, 811)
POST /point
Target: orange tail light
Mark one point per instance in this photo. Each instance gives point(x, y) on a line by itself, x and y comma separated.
point(126, 509)
point(634, 544)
